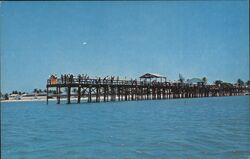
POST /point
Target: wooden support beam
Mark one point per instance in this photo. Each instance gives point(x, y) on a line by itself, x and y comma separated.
point(47, 92)
point(119, 93)
point(90, 95)
point(104, 94)
point(79, 94)
point(126, 94)
point(97, 98)
point(147, 93)
point(68, 94)
point(58, 94)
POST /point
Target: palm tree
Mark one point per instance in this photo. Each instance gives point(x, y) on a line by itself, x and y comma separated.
point(6, 96)
point(35, 90)
point(204, 79)
point(240, 82)
point(181, 78)
point(14, 92)
point(218, 82)
point(248, 82)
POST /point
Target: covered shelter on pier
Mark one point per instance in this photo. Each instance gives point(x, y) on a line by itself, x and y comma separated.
point(153, 76)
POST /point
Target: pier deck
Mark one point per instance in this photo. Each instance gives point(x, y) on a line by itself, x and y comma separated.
point(98, 89)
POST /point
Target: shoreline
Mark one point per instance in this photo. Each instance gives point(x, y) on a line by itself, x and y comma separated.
point(24, 100)
point(64, 99)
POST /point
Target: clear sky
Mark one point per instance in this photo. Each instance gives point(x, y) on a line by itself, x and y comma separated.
point(195, 39)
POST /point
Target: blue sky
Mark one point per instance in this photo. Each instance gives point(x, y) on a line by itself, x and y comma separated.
point(128, 39)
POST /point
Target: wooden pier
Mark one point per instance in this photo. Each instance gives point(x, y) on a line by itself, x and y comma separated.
point(82, 88)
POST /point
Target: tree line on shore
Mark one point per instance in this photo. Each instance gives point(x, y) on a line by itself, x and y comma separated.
point(5, 96)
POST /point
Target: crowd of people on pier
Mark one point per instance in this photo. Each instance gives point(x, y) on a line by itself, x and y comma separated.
point(85, 78)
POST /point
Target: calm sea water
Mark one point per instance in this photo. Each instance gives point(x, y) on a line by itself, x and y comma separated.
point(184, 128)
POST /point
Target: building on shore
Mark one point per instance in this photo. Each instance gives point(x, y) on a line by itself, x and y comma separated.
point(14, 97)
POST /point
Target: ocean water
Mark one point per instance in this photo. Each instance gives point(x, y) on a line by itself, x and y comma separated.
point(216, 127)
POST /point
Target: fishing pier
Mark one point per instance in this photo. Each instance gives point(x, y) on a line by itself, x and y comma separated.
point(82, 88)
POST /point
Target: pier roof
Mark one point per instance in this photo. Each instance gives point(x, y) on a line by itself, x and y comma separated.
point(152, 75)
